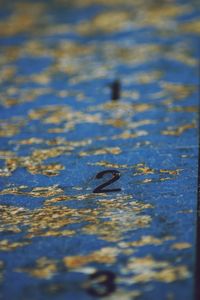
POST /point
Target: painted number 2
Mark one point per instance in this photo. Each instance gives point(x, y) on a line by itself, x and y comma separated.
point(115, 177)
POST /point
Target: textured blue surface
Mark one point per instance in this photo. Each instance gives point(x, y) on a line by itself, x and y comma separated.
point(59, 128)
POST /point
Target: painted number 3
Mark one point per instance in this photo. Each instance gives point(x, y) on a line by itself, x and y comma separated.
point(101, 283)
point(115, 177)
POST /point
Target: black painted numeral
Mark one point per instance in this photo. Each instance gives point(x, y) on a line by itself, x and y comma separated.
point(115, 177)
point(102, 283)
point(115, 90)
